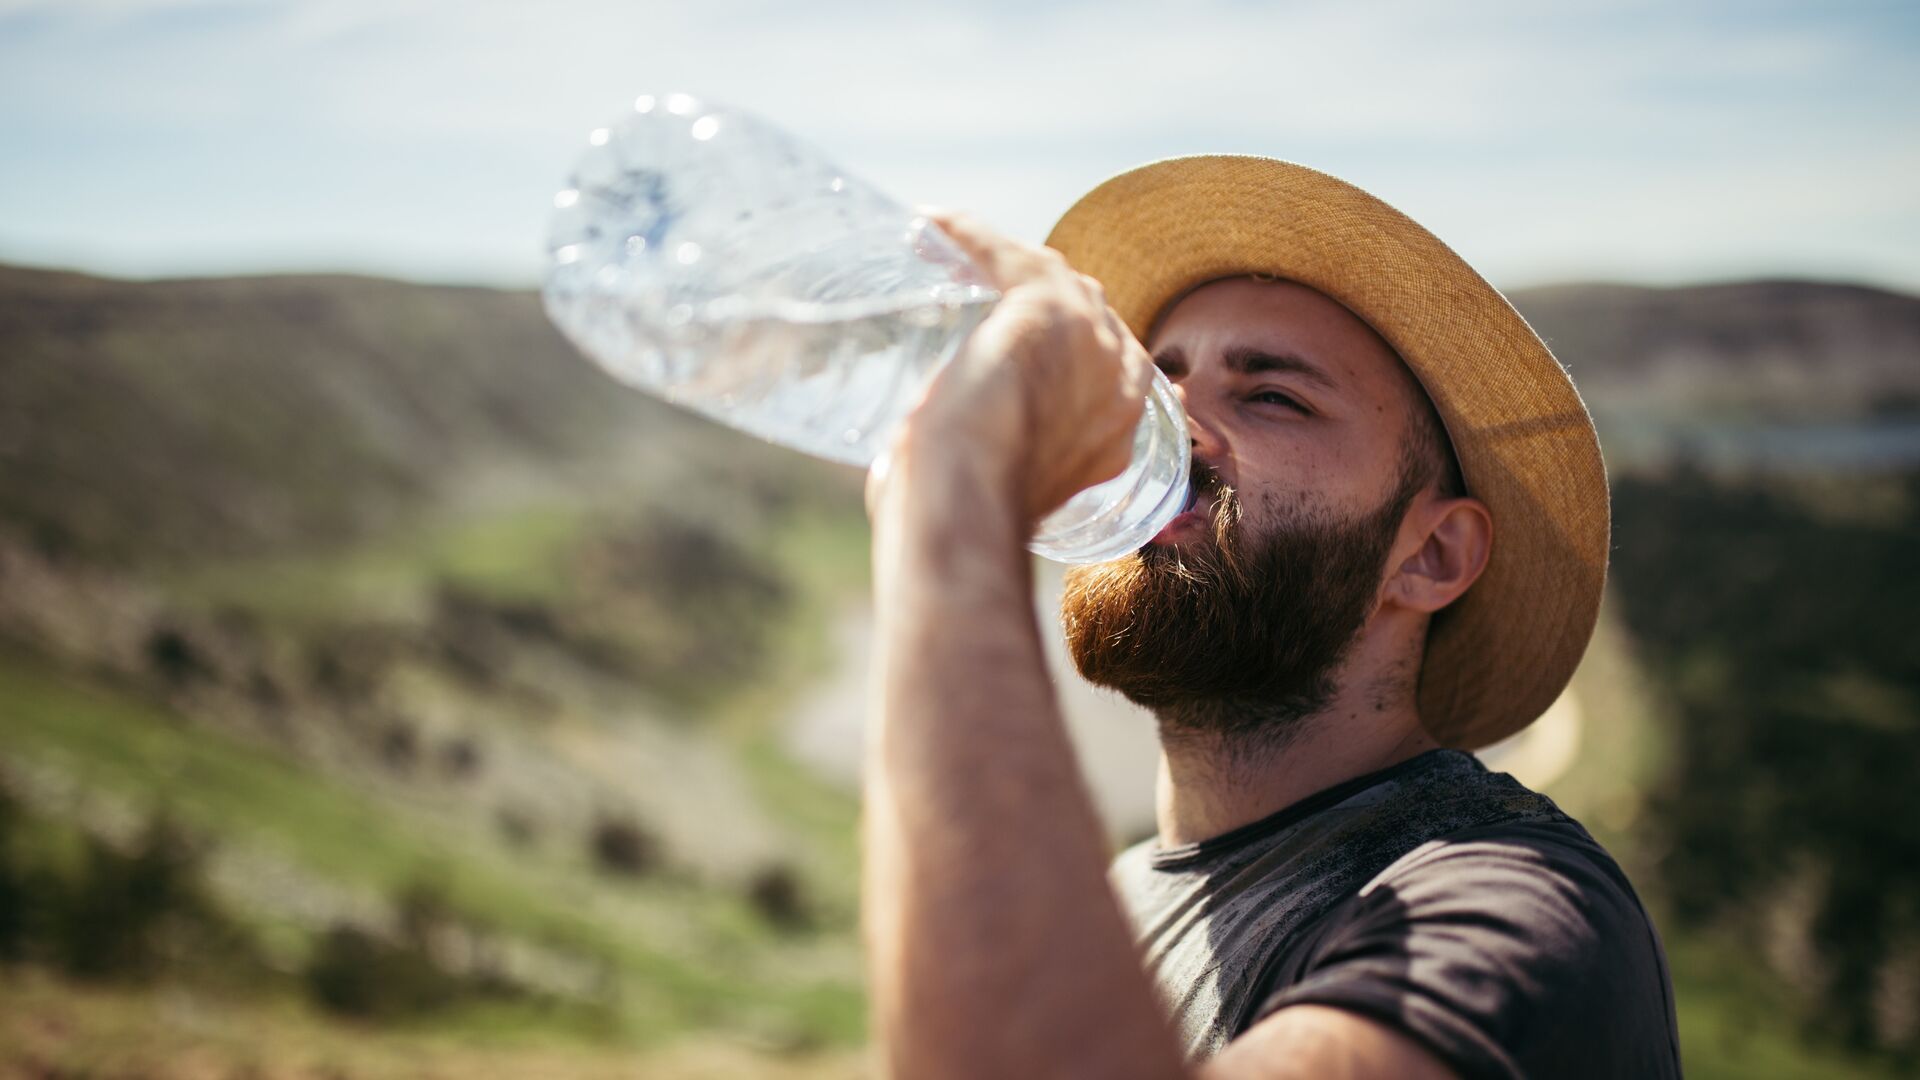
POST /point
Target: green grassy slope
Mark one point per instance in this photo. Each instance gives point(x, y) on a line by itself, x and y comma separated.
point(383, 590)
point(178, 420)
point(391, 598)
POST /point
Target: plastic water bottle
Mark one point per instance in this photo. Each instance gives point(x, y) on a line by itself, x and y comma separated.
point(703, 255)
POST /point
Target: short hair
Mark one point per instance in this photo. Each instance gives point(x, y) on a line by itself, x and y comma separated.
point(1429, 455)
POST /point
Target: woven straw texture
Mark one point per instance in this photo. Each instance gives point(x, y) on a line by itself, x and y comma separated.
point(1500, 654)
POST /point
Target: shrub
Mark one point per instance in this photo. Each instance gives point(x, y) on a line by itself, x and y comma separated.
point(358, 973)
point(15, 891)
point(775, 892)
point(117, 918)
point(354, 973)
point(621, 846)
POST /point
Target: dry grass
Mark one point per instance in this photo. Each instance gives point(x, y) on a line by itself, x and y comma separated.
point(50, 1028)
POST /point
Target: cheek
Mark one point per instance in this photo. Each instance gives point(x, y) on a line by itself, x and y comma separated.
point(1306, 486)
point(1276, 506)
point(1344, 461)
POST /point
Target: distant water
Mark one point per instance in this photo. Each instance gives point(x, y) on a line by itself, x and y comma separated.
point(1890, 445)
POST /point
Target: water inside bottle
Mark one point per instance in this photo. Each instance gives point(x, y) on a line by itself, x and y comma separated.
point(828, 379)
point(706, 256)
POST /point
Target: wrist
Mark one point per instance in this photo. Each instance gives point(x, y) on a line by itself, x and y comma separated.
point(946, 476)
point(945, 532)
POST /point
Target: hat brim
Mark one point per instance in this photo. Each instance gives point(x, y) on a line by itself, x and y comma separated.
point(1499, 655)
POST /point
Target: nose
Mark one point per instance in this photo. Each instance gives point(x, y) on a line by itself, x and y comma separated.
point(1208, 446)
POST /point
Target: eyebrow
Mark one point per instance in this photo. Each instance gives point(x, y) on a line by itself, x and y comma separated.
point(1247, 360)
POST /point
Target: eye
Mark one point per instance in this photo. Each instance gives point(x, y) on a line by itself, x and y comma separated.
point(1276, 397)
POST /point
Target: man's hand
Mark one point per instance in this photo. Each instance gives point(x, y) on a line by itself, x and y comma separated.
point(1043, 399)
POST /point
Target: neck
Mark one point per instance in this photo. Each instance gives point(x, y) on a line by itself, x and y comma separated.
point(1211, 782)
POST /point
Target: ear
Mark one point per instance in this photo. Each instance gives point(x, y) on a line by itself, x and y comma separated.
point(1450, 541)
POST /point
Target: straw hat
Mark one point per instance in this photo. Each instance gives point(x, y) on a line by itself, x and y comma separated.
point(1498, 656)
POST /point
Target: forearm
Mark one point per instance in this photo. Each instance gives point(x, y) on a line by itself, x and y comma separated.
point(996, 947)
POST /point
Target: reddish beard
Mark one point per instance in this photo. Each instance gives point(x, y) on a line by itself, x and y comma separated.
point(1241, 635)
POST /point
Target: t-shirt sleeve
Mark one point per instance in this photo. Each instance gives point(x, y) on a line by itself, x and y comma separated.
point(1514, 952)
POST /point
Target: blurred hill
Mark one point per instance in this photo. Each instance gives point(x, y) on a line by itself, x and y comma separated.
point(1763, 441)
point(160, 421)
point(437, 680)
point(364, 647)
point(156, 422)
point(1762, 351)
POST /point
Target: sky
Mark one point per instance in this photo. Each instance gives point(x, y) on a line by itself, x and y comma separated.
point(424, 139)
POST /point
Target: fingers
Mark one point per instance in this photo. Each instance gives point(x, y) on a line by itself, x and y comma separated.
point(1006, 261)
point(1009, 262)
point(1081, 369)
point(1094, 288)
point(1111, 454)
point(1137, 369)
point(1136, 366)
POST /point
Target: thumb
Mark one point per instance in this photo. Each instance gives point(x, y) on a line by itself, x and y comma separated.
point(1004, 260)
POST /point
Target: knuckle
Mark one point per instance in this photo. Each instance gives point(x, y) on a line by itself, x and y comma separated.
point(1053, 308)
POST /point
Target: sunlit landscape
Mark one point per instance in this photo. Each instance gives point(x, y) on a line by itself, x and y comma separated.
point(386, 692)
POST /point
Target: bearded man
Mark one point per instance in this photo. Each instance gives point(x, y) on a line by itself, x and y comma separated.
point(1394, 554)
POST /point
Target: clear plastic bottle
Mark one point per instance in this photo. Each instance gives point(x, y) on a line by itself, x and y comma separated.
point(702, 254)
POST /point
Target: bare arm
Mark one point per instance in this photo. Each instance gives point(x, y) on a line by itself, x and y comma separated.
point(996, 947)
point(1314, 1042)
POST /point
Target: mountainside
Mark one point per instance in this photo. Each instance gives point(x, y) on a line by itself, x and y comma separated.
point(1789, 352)
point(464, 674)
point(170, 420)
point(417, 669)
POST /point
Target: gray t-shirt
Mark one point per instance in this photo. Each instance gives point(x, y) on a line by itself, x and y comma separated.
point(1442, 899)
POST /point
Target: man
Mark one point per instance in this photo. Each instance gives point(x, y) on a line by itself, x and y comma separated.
point(1395, 552)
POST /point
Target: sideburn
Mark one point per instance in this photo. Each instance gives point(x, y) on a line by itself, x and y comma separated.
point(1228, 637)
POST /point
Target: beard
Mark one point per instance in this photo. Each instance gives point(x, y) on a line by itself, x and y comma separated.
point(1239, 638)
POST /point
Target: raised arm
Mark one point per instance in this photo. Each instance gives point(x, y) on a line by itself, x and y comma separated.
point(996, 948)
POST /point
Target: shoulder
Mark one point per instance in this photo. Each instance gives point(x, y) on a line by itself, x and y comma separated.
point(1549, 879)
point(1517, 949)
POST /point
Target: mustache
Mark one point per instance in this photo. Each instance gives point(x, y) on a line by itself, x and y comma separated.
point(1207, 481)
point(1202, 562)
point(1204, 479)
